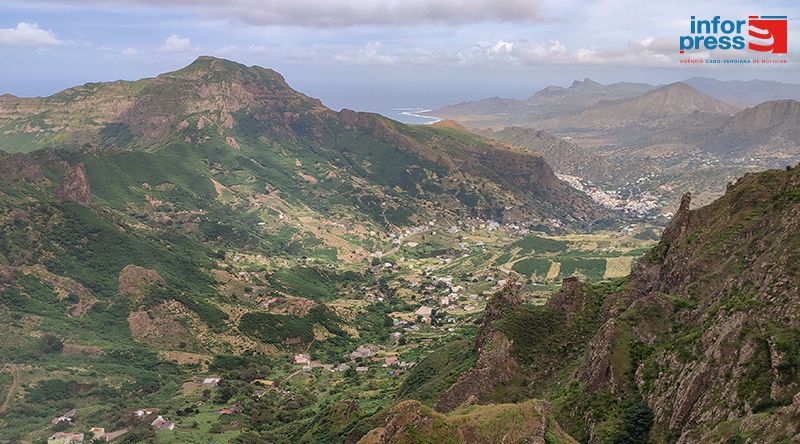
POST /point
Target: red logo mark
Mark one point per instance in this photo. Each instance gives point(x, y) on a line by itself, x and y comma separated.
point(768, 34)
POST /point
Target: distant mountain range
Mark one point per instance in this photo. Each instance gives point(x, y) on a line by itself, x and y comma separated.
point(558, 101)
point(550, 102)
point(653, 108)
point(647, 141)
point(745, 93)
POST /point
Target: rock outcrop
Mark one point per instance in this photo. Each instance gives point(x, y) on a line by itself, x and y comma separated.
point(75, 186)
point(494, 364)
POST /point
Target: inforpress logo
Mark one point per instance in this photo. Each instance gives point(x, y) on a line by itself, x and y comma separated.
point(766, 33)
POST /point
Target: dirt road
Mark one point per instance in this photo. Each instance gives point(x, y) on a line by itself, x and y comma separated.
point(12, 389)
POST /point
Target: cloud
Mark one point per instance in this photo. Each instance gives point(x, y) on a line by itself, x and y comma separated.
point(343, 13)
point(514, 53)
point(648, 52)
point(370, 54)
point(28, 34)
point(499, 52)
point(258, 49)
point(227, 50)
point(130, 51)
point(174, 43)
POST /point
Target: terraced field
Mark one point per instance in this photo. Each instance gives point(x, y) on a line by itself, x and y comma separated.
point(548, 260)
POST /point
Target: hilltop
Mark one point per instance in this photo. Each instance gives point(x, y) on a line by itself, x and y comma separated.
point(653, 108)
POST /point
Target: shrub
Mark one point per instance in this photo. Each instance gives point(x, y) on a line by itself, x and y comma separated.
point(50, 344)
point(637, 419)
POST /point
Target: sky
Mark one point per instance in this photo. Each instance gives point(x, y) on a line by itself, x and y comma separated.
point(374, 55)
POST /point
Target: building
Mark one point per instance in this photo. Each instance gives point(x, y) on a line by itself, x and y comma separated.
point(145, 412)
point(98, 432)
point(302, 359)
point(66, 438)
point(425, 313)
point(364, 351)
point(211, 381)
point(162, 424)
point(232, 410)
point(66, 417)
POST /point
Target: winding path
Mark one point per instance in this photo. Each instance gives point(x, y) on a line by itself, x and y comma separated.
point(12, 390)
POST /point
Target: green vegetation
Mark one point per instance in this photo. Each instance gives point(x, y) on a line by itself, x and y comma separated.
point(532, 266)
point(437, 372)
point(288, 329)
point(538, 244)
point(50, 344)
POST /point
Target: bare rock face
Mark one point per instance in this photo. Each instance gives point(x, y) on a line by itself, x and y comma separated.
point(730, 266)
point(136, 282)
point(494, 365)
point(680, 222)
point(75, 186)
point(569, 299)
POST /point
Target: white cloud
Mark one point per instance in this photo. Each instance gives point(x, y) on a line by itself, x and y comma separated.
point(649, 51)
point(370, 54)
point(174, 43)
point(130, 51)
point(28, 34)
point(341, 13)
point(227, 50)
point(498, 52)
point(258, 49)
point(514, 53)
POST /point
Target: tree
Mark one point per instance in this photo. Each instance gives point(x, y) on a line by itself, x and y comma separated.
point(637, 419)
point(50, 344)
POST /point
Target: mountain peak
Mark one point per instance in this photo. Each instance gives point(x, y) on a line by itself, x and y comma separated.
point(682, 99)
point(211, 62)
point(678, 86)
point(207, 64)
point(587, 82)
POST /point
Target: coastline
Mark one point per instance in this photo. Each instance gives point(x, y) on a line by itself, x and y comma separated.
point(415, 112)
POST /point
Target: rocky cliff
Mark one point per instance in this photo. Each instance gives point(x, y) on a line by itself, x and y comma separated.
point(75, 186)
point(700, 344)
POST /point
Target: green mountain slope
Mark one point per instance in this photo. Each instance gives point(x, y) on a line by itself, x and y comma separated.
point(246, 129)
point(698, 345)
point(214, 222)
